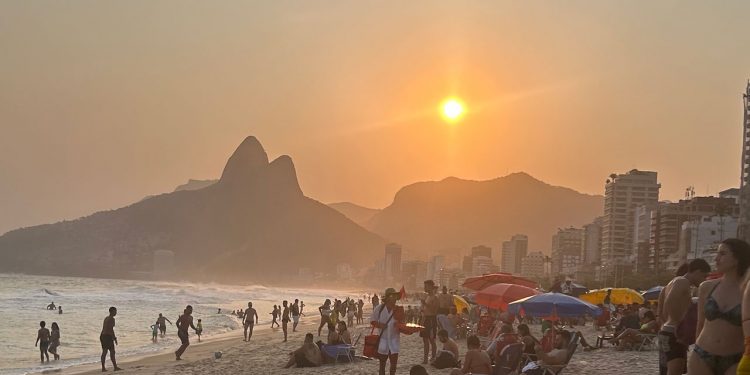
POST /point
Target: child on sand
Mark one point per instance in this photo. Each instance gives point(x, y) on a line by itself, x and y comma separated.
point(199, 329)
point(42, 340)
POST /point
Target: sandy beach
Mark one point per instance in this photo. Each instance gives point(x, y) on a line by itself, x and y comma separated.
point(267, 353)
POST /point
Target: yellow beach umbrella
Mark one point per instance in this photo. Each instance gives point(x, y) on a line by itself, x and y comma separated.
point(460, 303)
point(620, 296)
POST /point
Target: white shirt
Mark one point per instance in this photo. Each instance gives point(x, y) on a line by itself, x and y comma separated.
point(390, 338)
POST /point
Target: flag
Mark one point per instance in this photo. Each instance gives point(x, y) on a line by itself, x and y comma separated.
point(402, 293)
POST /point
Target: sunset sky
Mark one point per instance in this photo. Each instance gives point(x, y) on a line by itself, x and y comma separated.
point(103, 103)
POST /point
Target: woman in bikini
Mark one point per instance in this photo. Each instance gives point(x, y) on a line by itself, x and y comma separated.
point(325, 315)
point(719, 346)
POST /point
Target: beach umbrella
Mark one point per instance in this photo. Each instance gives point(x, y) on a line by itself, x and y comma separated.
point(481, 282)
point(653, 293)
point(460, 303)
point(498, 296)
point(620, 296)
point(553, 305)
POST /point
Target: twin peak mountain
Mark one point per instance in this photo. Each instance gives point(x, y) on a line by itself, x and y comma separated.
point(255, 225)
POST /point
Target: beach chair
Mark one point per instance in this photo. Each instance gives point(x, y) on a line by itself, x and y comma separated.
point(648, 342)
point(556, 369)
point(509, 361)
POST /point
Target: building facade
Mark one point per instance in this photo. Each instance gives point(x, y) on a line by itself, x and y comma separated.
point(592, 242)
point(700, 237)
point(513, 252)
point(532, 265)
point(567, 245)
point(392, 264)
point(622, 194)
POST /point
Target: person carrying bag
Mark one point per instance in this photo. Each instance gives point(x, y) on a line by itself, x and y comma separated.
point(385, 346)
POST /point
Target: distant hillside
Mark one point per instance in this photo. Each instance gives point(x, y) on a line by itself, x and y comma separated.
point(195, 184)
point(356, 213)
point(253, 225)
point(453, 214)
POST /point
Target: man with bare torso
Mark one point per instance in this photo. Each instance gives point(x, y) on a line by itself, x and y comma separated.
point(674, 301)
point(162, 323)
point(184, 322)
point(108, 339)
point(429, 320)
point(250, 314)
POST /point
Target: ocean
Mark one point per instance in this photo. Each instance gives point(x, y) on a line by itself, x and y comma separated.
point(85, 303)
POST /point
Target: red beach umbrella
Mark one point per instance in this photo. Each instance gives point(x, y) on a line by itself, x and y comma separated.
point(481, 282)
point(498, 296)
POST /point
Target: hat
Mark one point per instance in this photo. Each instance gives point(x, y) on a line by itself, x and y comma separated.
point(390, 291)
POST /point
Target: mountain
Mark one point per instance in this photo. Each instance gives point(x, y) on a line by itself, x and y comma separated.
point(195, 184)
point(453, 215)
point(356, 213)
point(253, 225)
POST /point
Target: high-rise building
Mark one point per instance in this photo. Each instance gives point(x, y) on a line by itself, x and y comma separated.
point(481, 265)
point(467, 264)
point(744, 223)
point(700, 237)
point(513, 253)
point(666, 226)
point(622, 194)
point(566, 251)
point(392, 265)
point(481, 251)
point(434, 265)
point(642, 237)
point(532, 265)
point(592, 242)
point(414, 274)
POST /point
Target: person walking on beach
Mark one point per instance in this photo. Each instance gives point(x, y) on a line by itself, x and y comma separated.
point(325, 314)
point(42, 340)
point(162, 321)
point(54, 340)
point(184, 322)
point(199, 329)
point(274, 315)
point(108, 340)
point(249, 322)
point(429, 312)
point(676, 297)
point(386, 318)
point(360, 317)
point(285, 319)
point(295, 315)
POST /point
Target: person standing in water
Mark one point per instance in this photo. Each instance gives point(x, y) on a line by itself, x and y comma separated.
point(295, 315)
point(249, 322)
point(274, 315)
point(42, 340)
point(285, 318)
point(108, 339)
point(199, 329)
point(54, 341)
point(184, 322)
point(162, 321)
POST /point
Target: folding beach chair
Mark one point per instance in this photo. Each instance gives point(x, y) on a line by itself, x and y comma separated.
point(556, 369)
point(648, 342)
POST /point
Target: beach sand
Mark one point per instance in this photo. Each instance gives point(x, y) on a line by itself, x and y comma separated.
point(266, 354)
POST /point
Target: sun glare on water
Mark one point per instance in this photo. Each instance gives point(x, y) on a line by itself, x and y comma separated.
point(452, 109)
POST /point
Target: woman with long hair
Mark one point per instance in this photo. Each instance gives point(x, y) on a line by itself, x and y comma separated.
point(54, 340)
point(718, 348)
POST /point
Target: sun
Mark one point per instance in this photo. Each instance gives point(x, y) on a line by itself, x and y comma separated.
point(453, 109)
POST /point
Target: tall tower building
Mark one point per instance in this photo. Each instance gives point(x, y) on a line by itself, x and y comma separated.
point(743, 230)
point(622, 194)
point(567, 245)
point(513, 252)
point(392, 265)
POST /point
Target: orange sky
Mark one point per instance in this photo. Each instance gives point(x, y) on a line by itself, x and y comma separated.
point(102, 103)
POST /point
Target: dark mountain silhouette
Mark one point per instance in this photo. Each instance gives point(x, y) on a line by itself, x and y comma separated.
point(452, 215)
point(253, 225)
point(356, 213)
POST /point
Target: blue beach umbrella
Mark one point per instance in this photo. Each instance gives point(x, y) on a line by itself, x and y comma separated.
point(653, 293)
point(553, 304)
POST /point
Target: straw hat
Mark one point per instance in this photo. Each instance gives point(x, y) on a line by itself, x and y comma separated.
point(390, 291)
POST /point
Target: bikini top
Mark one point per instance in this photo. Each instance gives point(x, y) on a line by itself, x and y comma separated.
point(712, 311)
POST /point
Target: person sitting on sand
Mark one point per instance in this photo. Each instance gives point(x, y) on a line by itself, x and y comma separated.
point(557, 356)
point(333, 336)
point(633, 336)
point(447, 357)
point(345, 336)
point(42, 341)
point(527, 339)
point(476, 361)
point(505, 338)
point(306, 356)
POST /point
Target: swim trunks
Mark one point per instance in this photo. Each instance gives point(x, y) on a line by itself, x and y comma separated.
point(184, 338)
point(295, 318)
point(43, 345)
point(669, 349)
point(107, 341)
point(430, 327)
